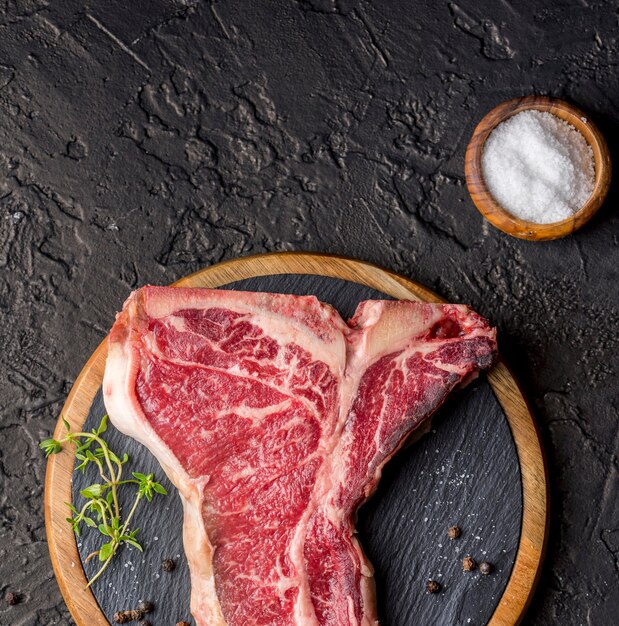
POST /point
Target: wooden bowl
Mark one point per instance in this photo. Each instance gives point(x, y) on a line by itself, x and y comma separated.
point(500, 217)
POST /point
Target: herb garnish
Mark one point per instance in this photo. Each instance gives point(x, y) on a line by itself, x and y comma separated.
point(102, 498)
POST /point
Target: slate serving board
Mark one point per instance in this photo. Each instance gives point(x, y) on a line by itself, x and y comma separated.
point(465, 471)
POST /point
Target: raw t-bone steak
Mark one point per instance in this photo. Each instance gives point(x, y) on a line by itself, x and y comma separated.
point(273, 418)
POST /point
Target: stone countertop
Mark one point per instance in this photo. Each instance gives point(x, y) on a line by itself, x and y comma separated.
point(142, 141)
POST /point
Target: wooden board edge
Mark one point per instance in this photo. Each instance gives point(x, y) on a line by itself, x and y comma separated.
point(322, 264)
point(534, 530)
point(63, 550)
point(535, 499)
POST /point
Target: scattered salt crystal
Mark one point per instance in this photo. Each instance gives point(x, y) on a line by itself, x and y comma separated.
point(538, 167)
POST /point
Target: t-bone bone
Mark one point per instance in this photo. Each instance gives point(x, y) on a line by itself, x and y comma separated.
point(274, 417)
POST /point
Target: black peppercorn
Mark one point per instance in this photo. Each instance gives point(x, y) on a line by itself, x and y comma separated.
point(11, 598)
point(168, 565)
point(454, 532)
point(145, 606)
point(468, 564)
point(486, 568)
point(122, 617)
point(433, 586)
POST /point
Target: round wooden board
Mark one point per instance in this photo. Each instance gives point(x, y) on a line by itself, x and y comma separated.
point(527, 565)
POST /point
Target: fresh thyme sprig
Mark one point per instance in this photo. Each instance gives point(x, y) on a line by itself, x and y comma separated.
point(102, 498)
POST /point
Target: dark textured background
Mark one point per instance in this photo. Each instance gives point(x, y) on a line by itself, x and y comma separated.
point(465, 471)
point(140, 141)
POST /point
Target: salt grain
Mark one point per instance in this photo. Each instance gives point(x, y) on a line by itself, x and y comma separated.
point(538, 167)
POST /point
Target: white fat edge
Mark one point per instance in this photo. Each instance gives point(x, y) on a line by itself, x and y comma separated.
point(352, 620)
point(204, 603)
point(128, 418)
point(368, 587)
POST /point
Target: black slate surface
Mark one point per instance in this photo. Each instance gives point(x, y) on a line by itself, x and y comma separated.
point(465, 471)
point(143, 140)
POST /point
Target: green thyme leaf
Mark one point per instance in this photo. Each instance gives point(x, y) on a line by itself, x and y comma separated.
point(103, 425)
point(103, 530)
point(94, 491)
point(50, 446)
point(133, 543)
point(106, 551)
point(114, 457)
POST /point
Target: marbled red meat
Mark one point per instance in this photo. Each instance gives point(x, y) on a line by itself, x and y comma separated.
point(274, 417)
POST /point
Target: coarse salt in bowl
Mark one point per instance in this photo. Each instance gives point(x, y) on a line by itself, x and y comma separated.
point(537, 176)
point(538, 167)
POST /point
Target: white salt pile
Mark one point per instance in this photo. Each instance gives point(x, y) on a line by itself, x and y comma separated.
point(538, 167)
